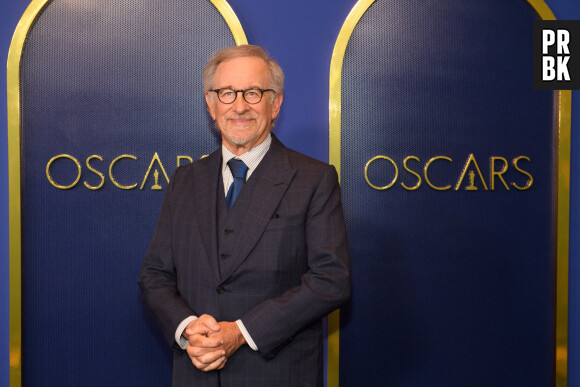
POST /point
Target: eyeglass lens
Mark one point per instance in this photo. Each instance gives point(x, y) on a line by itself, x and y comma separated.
point(251, 96)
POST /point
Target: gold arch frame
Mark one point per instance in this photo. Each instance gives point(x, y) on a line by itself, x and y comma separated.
point(564, 105)
point(14, 192)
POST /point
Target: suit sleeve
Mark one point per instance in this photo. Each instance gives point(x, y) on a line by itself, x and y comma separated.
point(157, 280)
point(323, 288)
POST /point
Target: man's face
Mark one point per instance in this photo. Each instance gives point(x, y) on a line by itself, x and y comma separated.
point(243, 125)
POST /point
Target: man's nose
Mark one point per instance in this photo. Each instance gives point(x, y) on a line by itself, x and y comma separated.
point(240, 104)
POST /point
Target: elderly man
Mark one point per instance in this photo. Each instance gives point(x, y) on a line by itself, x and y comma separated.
point(250, 251)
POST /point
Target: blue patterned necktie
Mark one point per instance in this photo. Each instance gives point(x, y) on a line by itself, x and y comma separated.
point(239, 170)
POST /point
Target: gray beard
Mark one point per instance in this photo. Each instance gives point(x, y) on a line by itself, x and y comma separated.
point(238, 140)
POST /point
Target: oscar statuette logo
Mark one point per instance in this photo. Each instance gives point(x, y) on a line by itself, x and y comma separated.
point(471, 186)
point(156, 186)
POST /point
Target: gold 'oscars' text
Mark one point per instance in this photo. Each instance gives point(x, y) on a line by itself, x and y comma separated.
point(95, 176)
point(441, 173)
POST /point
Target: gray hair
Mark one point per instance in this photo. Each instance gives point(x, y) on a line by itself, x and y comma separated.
point(276, 73)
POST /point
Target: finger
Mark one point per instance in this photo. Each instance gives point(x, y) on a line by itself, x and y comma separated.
point(205, 341)
point(211, 357)
point(206, 360)
point(214, 334)
point(209, 322)
point(203, 325)
point(218, 364)
point(197, 329)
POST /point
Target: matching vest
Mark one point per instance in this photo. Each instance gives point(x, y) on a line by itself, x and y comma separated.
point(229, 223)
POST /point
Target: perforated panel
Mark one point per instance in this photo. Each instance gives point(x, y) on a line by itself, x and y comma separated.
point(105, 78)
point(450, 287)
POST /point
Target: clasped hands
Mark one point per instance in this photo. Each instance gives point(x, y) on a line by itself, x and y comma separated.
point(211, 343)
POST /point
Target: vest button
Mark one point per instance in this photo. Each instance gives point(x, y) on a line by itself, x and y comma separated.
point(220, 290)
point(223, 256)
point(227, 231)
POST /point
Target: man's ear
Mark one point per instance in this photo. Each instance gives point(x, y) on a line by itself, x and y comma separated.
point(276, 105)
point(210, 102)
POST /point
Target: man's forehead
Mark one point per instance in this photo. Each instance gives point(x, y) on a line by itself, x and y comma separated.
point(247, 68)
point(238, 60)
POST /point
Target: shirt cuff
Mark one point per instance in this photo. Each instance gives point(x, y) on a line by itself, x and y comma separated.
point(179, 339)
point(246, 335)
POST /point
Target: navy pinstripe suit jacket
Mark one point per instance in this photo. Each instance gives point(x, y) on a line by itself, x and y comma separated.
point(289, 269)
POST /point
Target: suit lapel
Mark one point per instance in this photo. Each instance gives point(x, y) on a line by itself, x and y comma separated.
point(205, 185)
point(272, 183)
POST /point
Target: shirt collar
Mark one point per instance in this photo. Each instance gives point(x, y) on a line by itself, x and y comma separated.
point(251, 158)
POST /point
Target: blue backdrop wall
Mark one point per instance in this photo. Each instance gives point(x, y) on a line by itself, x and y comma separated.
point(301, 35)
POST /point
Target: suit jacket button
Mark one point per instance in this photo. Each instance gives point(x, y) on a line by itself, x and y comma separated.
point(220, 290)
point(227, 231)
point(223, 256)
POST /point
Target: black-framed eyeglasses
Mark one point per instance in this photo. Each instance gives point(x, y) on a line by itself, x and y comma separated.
point(251, 96)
